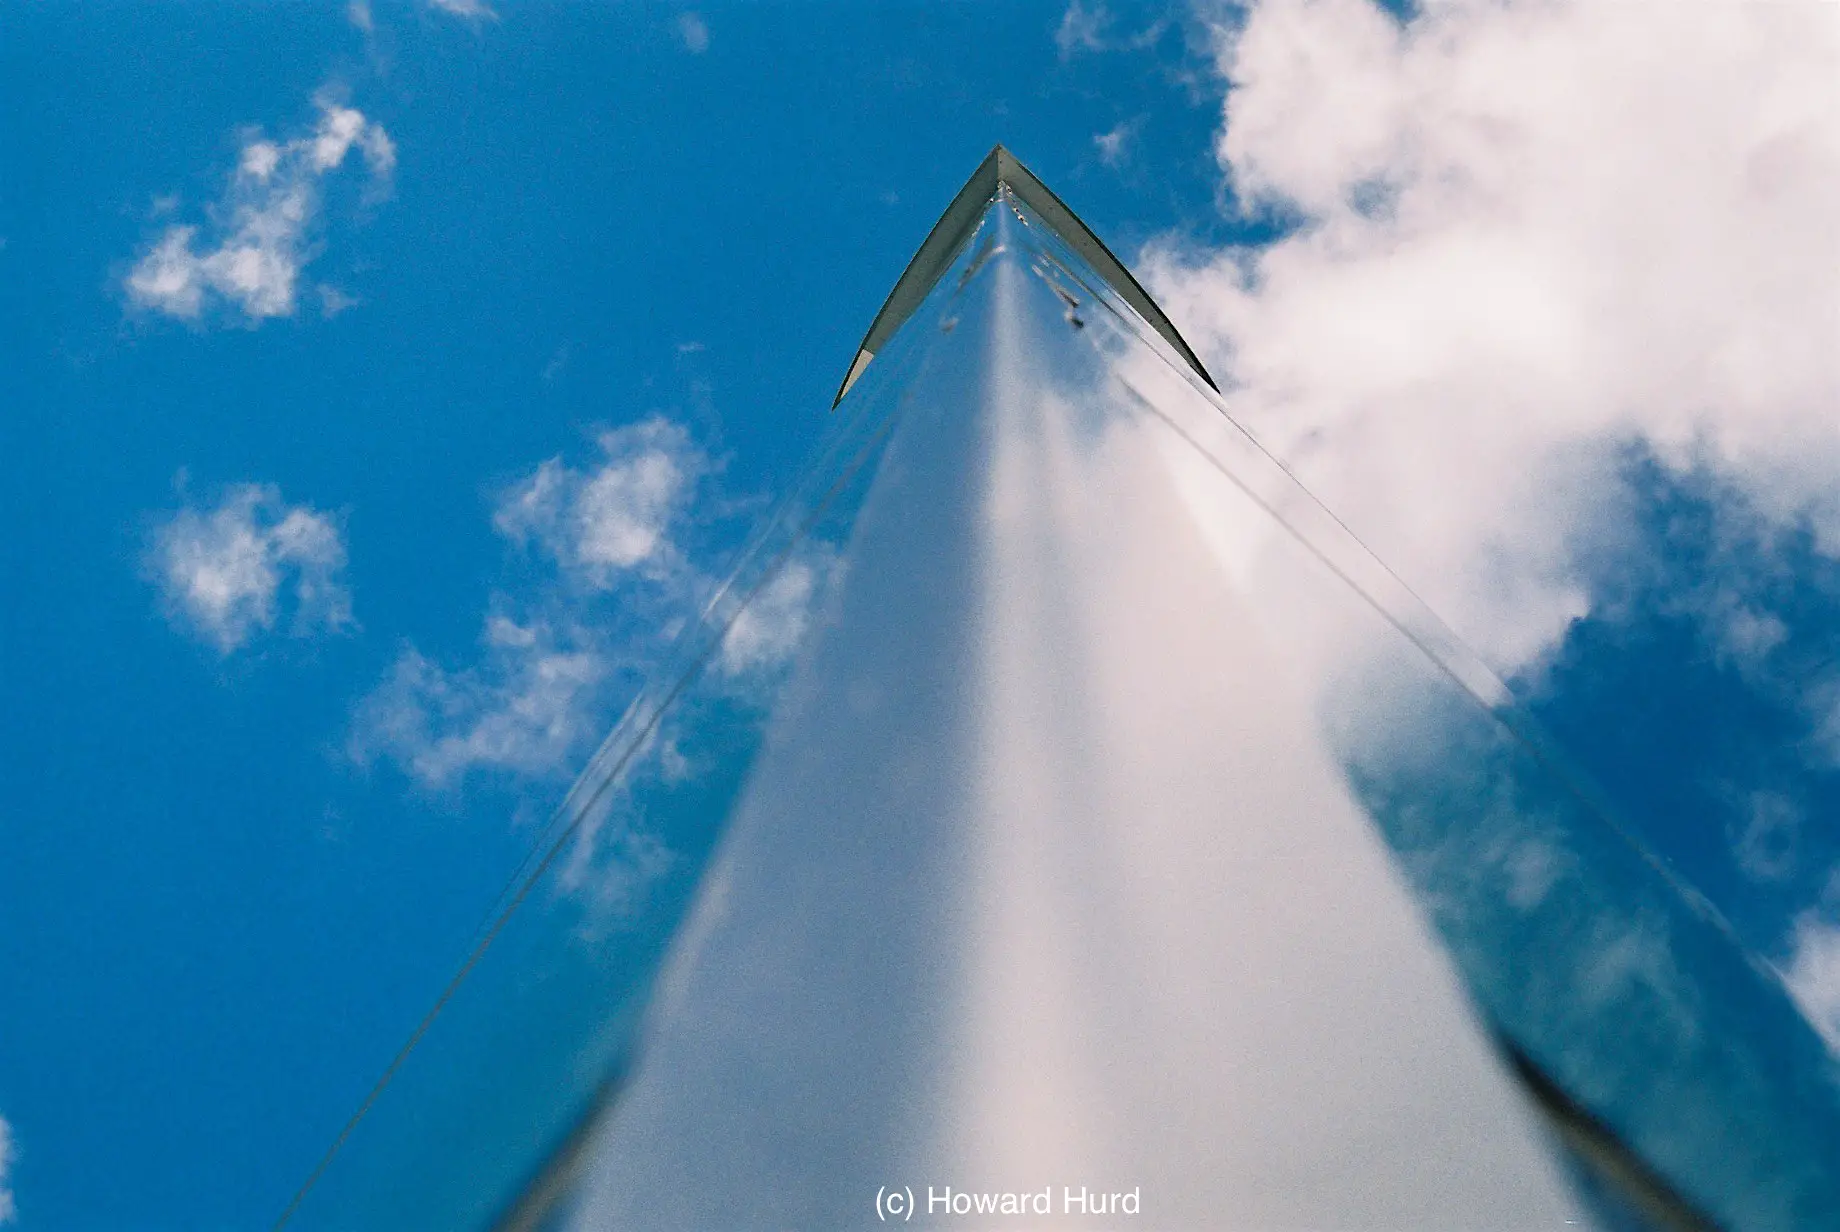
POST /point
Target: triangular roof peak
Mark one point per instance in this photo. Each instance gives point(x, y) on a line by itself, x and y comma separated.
point(1002, 169)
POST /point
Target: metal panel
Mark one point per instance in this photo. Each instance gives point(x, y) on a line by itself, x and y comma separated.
point(1003, 169)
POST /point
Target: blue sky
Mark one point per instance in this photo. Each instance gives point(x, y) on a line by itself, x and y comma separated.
point(328, 331)
point(218, 921)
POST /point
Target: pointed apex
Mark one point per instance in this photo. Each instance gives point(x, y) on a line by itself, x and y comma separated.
point(1001, 169)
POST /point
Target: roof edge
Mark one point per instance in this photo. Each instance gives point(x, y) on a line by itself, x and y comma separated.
point(1001, 168)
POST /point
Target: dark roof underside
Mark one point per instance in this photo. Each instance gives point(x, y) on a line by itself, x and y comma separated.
point(1001, 168)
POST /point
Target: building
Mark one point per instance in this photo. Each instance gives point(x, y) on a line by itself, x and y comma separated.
point(1126, 837)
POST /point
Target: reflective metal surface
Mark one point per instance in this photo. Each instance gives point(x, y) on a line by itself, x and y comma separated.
point(1123, 827)
point(1047, 880)
point(478, 1122)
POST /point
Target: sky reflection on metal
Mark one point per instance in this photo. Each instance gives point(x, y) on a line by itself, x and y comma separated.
point(886, 975)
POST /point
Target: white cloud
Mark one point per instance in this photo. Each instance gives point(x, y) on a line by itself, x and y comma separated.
point(615, 871)
point(222, 572)
point(333, 301)
point(1088, 28)
point(1531, 234)
point(614, 519)
point(694, 31)
point(1813, 975)
point(9, 1207)
point(260, 159)
point(529, 707)
point(471, 10)
point(1743, 634)
point(1113, 146)
point(358, 12)
point(259, 237)
point(540, 693)
point(772, 625)
point(615, 861)
point(1081, 29)
point(621, 535)
point(1767, 841)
